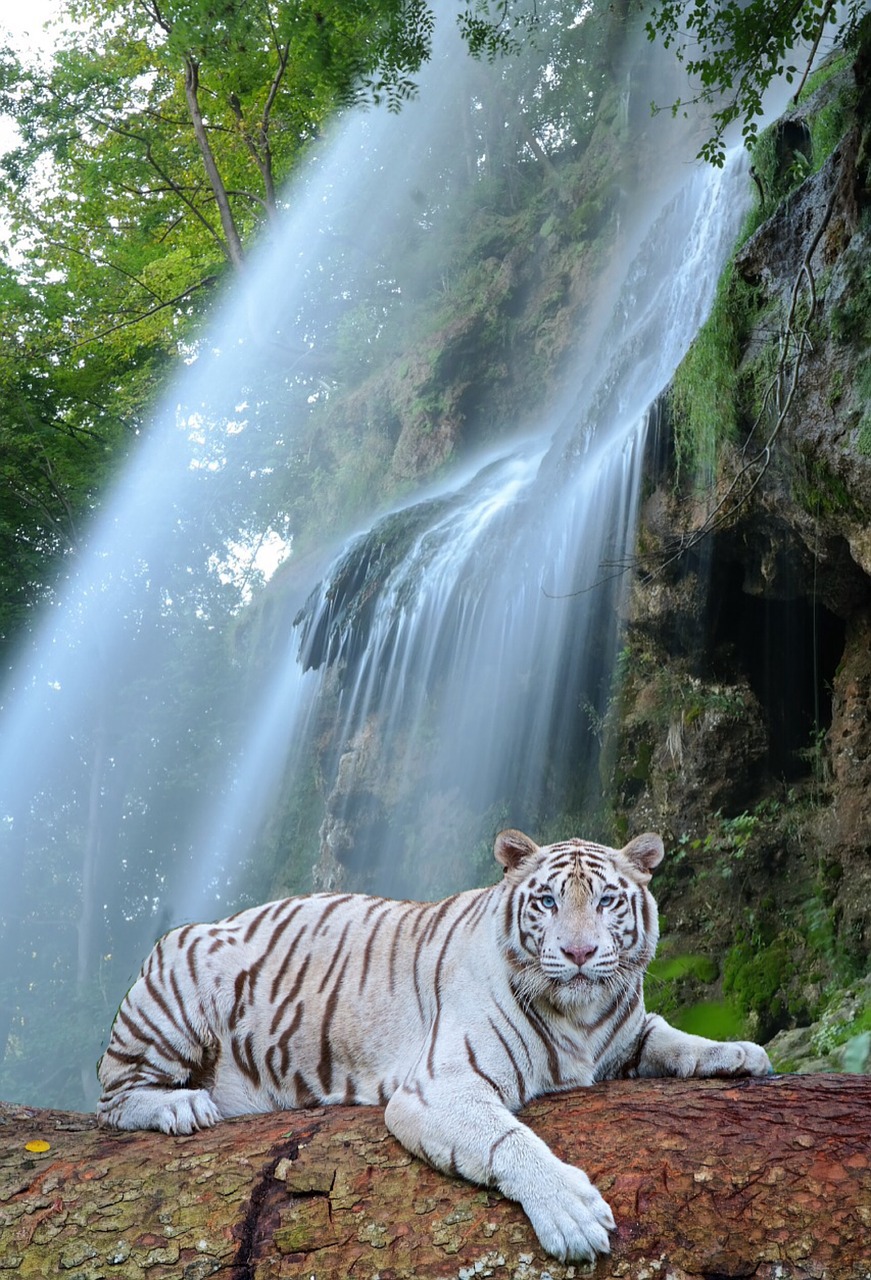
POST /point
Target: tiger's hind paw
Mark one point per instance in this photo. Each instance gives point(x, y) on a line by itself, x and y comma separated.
point(186, 1110)
point(570, 1217)
point(169, 1110)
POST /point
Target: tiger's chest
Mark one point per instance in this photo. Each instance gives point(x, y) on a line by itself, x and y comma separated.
point(591, 1044)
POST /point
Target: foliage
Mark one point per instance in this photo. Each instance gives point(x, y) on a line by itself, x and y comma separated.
point(791, 149)
point(154, 147)
point(61, 438)
point(728, 841)
point(735, 51)
point(494, 28)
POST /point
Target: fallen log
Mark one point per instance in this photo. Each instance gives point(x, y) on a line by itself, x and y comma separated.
point(707, 1179)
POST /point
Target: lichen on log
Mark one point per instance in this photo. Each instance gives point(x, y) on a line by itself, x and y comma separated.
point(713, 1178)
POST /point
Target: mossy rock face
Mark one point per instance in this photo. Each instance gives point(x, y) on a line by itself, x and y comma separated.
point(783, 903)
point(759, 978)
point(839, 1041)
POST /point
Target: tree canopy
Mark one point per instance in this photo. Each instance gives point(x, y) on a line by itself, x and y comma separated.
point(734, 52)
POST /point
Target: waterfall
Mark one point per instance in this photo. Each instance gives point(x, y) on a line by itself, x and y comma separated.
point(463, 649)
point(450, 672)
point(480, 628)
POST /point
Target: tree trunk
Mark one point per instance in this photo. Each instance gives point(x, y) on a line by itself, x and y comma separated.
point(232, 239)
point(707, 1179)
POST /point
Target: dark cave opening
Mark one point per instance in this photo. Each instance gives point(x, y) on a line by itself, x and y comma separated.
point(789, 650)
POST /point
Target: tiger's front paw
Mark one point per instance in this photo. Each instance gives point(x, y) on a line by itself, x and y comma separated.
point(733, 1058)
point(749, 1060)
point(570, 1217)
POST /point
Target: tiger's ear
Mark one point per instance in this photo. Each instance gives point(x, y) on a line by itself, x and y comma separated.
point(512, 847)
point(644, 852)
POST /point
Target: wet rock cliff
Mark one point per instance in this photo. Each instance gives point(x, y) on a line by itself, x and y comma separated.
point(743, 728)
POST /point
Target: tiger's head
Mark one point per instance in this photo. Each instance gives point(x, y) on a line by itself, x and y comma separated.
point(579, 920)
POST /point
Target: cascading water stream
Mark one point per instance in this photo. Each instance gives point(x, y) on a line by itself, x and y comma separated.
point(492, 634)
point(450, 674)
point(490, 631)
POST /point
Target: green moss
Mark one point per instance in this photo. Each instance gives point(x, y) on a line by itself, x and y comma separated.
point(835, 393)
point(850, 322)
point(670, 968)
point(637, 764)
point(863, 438)
point(818, 489)
point(756, 976)
point(674, 983)
point(830, 122)
point(704, 391)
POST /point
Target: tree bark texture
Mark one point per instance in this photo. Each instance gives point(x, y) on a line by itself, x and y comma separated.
point(707, 1179)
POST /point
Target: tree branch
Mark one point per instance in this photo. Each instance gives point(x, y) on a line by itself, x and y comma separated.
point(823, 19)
point(125, 324)
point(760, 1178)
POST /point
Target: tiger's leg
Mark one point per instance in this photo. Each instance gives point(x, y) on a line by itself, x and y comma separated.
point(158, 1065)
point(665, 1051)
point(462, 1126)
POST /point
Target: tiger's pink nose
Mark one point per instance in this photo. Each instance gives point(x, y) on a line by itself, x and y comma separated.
point(580, 953)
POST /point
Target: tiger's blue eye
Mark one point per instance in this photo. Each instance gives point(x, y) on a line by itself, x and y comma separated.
point(548, 901)
point(606, 900)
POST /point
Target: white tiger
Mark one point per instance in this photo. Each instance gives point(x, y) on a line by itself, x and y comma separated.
point(454, 1014)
